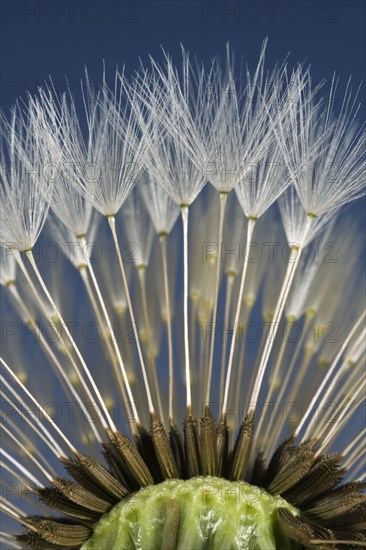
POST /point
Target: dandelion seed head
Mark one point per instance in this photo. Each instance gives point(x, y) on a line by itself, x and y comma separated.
point(183, 384)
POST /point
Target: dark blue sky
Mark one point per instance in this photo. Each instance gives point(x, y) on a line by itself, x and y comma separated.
point(58, 37)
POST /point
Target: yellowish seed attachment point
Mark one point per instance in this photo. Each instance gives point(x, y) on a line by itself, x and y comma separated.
point(131, 378)
point(291, 318)
point(66, 348)
point(143, 335)
point(88, 438)
point(52, 413)
point(275, 384)
point(23, 377)
point(74, 379)
point(249, 300)
point(310, 312)
point(109, 402)
point(231, 425)
point(120, 309)
point(323, 363)
point(322, 330)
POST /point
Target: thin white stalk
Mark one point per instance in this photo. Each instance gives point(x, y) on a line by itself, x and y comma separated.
point(341, 396)
point(41, 409)
point(21, 435)
point(59, 369)
point(277, 368)
point(73, 343)
point(109, 327)
point(30, 486)
point(358, 446)
point(361, 435)
point(193, 322)
point(47, 438)
point(33, 426)
point(10, 506)
point(256, 360)
point(149, 347)
point(362, 477)
point(196, 351)
point(141, 271)
point(207, 308)
point(22, 306)
point(10, 543)
point(200, 375)
point(286, 287)
point(229, 290)
point(29, 455)
point(21, 469)
point(329, 373)
point(241, 359)
point(272, 389)
point(273, 431)
point(250, 229)
point(106, 340)
point(184, 211)
point(22, 482)
point(15, 513)
point(9, 512)
point(299, 344)
point(112, 225)
point(8, 539)
point(69, 355)
point(344, 388)
point(301, 371)
point(338, 376)
point(163, 246)
point(350, 403)
point(223, 201)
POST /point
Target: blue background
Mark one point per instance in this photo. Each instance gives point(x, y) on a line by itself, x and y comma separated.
point(59, 37)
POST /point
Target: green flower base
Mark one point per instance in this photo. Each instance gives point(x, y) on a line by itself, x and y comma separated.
point(201, 513)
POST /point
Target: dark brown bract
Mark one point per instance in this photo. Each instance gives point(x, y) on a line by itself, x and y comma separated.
point(332, 514)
